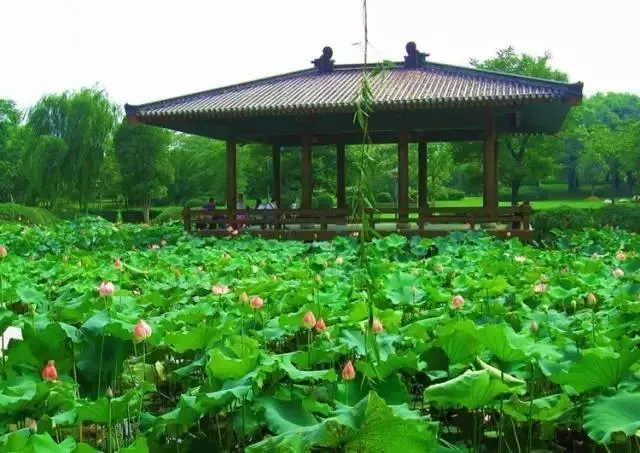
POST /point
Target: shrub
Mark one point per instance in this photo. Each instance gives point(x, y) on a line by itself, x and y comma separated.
point(168, 215)
point(323, 201)
point(446, 193)
point(127, 215)
point(455, 194)
point(196, 202)
point(563, 218)
point(625, 217)
point(384, 197)
point(11, 212)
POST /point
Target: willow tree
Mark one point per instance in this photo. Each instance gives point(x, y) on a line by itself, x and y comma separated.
point(142, 152)
point(85, 121)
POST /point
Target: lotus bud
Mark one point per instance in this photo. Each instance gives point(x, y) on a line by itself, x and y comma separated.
point(533, 326)
point(377, 326)
point(348, 371)
point(141, 331)
point(320, 325)
point(457, 302)
point(591, 299)
point(49, 372)
point(309, 320)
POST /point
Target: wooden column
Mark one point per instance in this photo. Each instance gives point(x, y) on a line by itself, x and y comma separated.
point(341, 182)
point(490, 192)
point(275, 150)
point(307, 173)
point(232, 188)
point(422, 177)
point(403, 178)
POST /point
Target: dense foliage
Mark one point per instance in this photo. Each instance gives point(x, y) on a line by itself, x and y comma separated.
point(477, 342)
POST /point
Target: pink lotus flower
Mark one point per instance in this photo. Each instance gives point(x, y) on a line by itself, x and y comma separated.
point(256, 302)
point(3, 251)
point(457, 302)
point(377, 326)
point(141, 331)
point(617, 272)
point(520, 259)
point(621, 256)
point(339, 260)
point(540, 288)
point(234, 233)
point(320, 325)
point(155, 247)
point(33, 427)
point(508, 234)
point(136, 292)
point(533, 326)
point(309, 320)
point(591, 299)
point(200, 268)
point(163, 242)
point(348, 371)
point(117, 263)
point(106, 289)
point(220, 289)
point(244, 297)
point(229, 229)
point(49, 372)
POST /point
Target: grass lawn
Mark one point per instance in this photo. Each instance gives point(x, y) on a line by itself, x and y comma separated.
point(540, 204)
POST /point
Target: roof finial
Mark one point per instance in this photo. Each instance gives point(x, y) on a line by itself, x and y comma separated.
point(414, 58)
point(324, 64)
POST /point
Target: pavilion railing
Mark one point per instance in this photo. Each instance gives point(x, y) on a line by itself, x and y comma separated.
point(518, 217)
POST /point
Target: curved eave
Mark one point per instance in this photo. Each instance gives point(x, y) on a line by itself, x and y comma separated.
point(135, 115)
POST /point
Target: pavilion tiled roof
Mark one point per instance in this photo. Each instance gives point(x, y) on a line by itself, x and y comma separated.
point(431, 85)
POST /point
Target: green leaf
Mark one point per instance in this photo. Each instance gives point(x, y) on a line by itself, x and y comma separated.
point(221, 366)
point(598, 368)
point(98, 411)
point(545, 409)
point(504, 342)
point(610, 415)
point(460, 341)
point(139, 446)
point(472, 389)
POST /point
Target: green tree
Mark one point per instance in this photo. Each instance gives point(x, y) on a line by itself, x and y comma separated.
point(592, 168)
point(524, 156)
point(85, 121)
point(45, 169)
point(10, 148)
point(439, 169)
point(142, 152)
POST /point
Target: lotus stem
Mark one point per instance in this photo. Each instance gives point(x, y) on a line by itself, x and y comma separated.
point(501, 423)
point(309, 347)
point(144, 365)
point(530, 414)
point(100, 365)
point(109, 430)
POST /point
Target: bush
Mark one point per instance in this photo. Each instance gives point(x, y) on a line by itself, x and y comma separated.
point(196, 202)
point(625, 217)
point(445, 193)
point(11, 212)
point(384, 197)
point(455, 194)
point(127, 215)
point(168, 215)
point(323, 201)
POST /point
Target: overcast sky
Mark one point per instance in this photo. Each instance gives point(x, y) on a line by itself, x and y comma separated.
point(146, 50)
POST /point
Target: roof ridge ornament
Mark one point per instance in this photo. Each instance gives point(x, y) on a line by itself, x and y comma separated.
point(414, 58)
point(324, 64)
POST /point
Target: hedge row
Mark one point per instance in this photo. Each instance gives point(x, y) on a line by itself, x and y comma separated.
point(565, 218)
point(128, 215)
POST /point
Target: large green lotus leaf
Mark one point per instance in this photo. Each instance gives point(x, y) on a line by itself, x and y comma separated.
point(421, 328)
point(370, 426)
point(139, 446)
point(402, 289)
point(283, 363)
point(98, 411)
point(396, 362)
point(104, 323)
point(283, 416)
point(494, 286)
point(460, 341)
point(545, 409)
point(187, 412)
point(222, 366)
point(192, 340)
point(392, 389)
point(610, 415)
point(30, 295)
point(86, 448)
point(598, 367)
point(21, 395)
point(354, 340)
point(388, 429)
point(504, 342)
point(25, 442)
point(472, 389)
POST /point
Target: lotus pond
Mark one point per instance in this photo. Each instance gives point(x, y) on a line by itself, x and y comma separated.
point(461, 343)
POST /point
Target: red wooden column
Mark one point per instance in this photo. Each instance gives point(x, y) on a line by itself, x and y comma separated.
point(422, 176)
point(231, 178)
point(307, 173)
point(341, 182)
point(275, 150)
point(490, 192)
point(403, 178)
